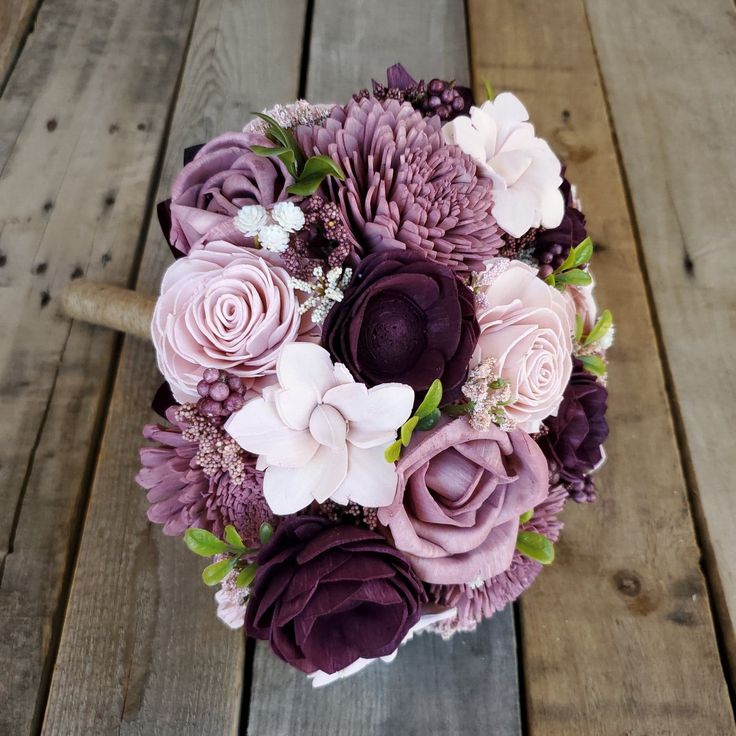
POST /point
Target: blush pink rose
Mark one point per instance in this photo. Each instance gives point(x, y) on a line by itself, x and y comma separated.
point(526, 326)
point(460, 493)
point(222, 307)
point(581, 302)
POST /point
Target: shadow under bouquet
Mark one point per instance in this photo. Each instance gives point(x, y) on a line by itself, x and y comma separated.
point(385, 368)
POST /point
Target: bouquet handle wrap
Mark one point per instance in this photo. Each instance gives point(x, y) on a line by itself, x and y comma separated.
point(110, 306)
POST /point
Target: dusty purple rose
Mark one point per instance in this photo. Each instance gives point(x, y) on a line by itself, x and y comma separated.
point(404, 319)
point(460, 493)
point(574, 438)
point(223, 177)
point(325, 596)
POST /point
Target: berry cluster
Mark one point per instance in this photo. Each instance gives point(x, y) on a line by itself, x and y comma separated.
point(222, 393)
point(443, 99)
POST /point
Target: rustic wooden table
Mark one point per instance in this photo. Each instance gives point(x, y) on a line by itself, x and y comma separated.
point(104, 627)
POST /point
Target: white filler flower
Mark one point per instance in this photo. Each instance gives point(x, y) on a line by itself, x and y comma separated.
point(288, 215)
point(273, 237)
point(251, 219)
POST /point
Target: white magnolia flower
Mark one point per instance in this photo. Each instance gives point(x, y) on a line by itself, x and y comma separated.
point(525, 172)
point(320, 435)
point(250, 219)
point(288, 215)
point(274, 238)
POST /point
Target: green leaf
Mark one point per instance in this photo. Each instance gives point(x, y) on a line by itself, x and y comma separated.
point(593, 364)
point(488, 89)
point(233, 538)
point(583, 252)
point(407, 428)
point(218, 571)
point(458, 410)
point(430, 421)
point(265, 532)
point(526, 516)
point(246, 575)
point(567, 263)
point(550, 280)
point(393, 452)
point(204, 543)
point(306, 186)
point(536, 546)
point(601, 327)
point(323, 165)
point(292, 155)
point(575, 276)
point(269, 150)
point(578, 327)
point(431, 399)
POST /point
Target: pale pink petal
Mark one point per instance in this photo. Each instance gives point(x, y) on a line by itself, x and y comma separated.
point(328, 426)
point(370, 480)
point(306, 366)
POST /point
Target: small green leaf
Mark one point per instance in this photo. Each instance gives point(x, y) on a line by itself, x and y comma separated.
point(550, 280)
point(583, 252)
point(204, 543)
point(323, 165)
point(526, 516)
point(306, 186)
point(407, 428)
point(265, 532)
point(218, 571)
point(536, 547)
point(567, 263)
point(458, 410)
point(593, 364)
point(430, 421)
point(431, 399)
point(246, 575)
point(269, 150)
point(393, 452)
point(578, 328)
point(488, 89)
point(233, 538)
point(575, 276)
point(601, 327)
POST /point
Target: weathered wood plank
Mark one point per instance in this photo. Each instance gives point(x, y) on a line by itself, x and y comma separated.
point(141, 650)
point(80, 130)
point(16, 17)
point(670, 72)
point(468, 685)
point(618, 635)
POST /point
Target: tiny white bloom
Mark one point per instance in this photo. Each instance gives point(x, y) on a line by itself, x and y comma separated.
point(288, 215)
point(273, 237)
point(607, 340)
point(251, 219)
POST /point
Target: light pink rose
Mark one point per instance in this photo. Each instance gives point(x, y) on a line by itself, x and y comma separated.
point(222, 307)
point(527, 327)
point(460, 493)
point(581, 301)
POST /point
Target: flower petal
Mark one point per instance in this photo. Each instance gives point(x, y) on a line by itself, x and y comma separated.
point(307, 367)
point(370, 480)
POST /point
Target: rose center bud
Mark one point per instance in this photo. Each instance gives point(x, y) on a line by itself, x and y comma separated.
point(328, 426)
point(393, 336)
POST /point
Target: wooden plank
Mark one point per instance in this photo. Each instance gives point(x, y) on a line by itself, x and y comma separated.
point(433, 686)
point(16, 19)
point(80, 131)
point(618, 635)
point(682, 176)
point(141, 651)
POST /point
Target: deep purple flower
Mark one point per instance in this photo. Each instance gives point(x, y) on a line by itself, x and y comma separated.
point(325, 596)
point(404, 319)
point(573, 441)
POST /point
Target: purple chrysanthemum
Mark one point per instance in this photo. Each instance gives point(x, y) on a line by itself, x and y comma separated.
point(476, 602)
point(404, 188)
point(184, 494)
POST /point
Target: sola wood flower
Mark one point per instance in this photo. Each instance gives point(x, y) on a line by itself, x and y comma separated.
point(525, 173)
point(321, 435)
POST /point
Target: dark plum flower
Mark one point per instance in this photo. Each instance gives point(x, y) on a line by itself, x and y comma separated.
point(404, 319)
point(574, 437)
point(325, 596)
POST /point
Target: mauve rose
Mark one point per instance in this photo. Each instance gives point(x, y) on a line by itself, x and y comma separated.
point(460, 493)
point(325, 596)
point(404, 319)
point(224, 176)
point(527, 327)
point(222, 307)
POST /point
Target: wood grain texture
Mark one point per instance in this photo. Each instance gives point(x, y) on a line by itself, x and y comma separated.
point(674, 116)
point(141, 650)
point(81, 122)
point(618, 636)
point(468, 685)
point(16, 18)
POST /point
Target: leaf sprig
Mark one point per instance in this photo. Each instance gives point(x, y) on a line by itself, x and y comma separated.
point(309, 174)
point(424, 418)
point(535, 546)
point(570, 272)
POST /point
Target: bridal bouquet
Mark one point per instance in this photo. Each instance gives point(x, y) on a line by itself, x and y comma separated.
point(385, 368)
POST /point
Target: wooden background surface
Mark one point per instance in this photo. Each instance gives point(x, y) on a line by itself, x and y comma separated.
point(104, 627)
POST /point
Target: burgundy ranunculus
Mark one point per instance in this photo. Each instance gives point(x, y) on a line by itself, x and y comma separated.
point(404, 318)
point(325, 596)
point(574, 438)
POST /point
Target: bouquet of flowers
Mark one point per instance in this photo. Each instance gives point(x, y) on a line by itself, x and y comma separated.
point(385, 369)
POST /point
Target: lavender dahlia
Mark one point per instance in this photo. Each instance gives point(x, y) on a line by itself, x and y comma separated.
point(404, 189)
